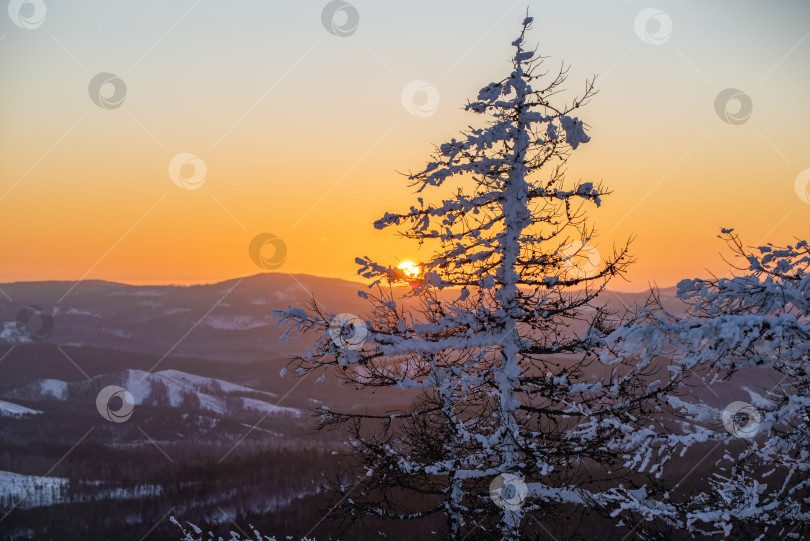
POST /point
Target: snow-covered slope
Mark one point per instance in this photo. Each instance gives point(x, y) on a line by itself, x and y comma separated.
point(32, 491)
point(214, 395)
point(171, 388)
point(9, 409)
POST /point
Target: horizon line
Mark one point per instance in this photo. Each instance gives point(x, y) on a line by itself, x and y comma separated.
point(216, 281)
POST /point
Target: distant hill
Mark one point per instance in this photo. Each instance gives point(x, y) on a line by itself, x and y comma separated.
point(229, 321)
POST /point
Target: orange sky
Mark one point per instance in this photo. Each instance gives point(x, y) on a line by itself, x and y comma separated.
point(302, 132)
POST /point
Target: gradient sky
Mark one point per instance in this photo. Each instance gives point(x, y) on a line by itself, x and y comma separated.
point(303, 132)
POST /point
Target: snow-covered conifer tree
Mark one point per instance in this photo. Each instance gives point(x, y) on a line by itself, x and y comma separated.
point(500, 338)
point(751, 330)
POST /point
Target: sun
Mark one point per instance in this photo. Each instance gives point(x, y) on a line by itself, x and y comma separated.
point(409, 268)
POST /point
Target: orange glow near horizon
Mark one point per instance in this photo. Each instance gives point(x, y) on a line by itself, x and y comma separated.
point(297, 133)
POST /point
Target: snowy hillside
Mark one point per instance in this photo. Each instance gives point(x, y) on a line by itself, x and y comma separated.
point(28, 491)
point(9, 409)
point(171, 388)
